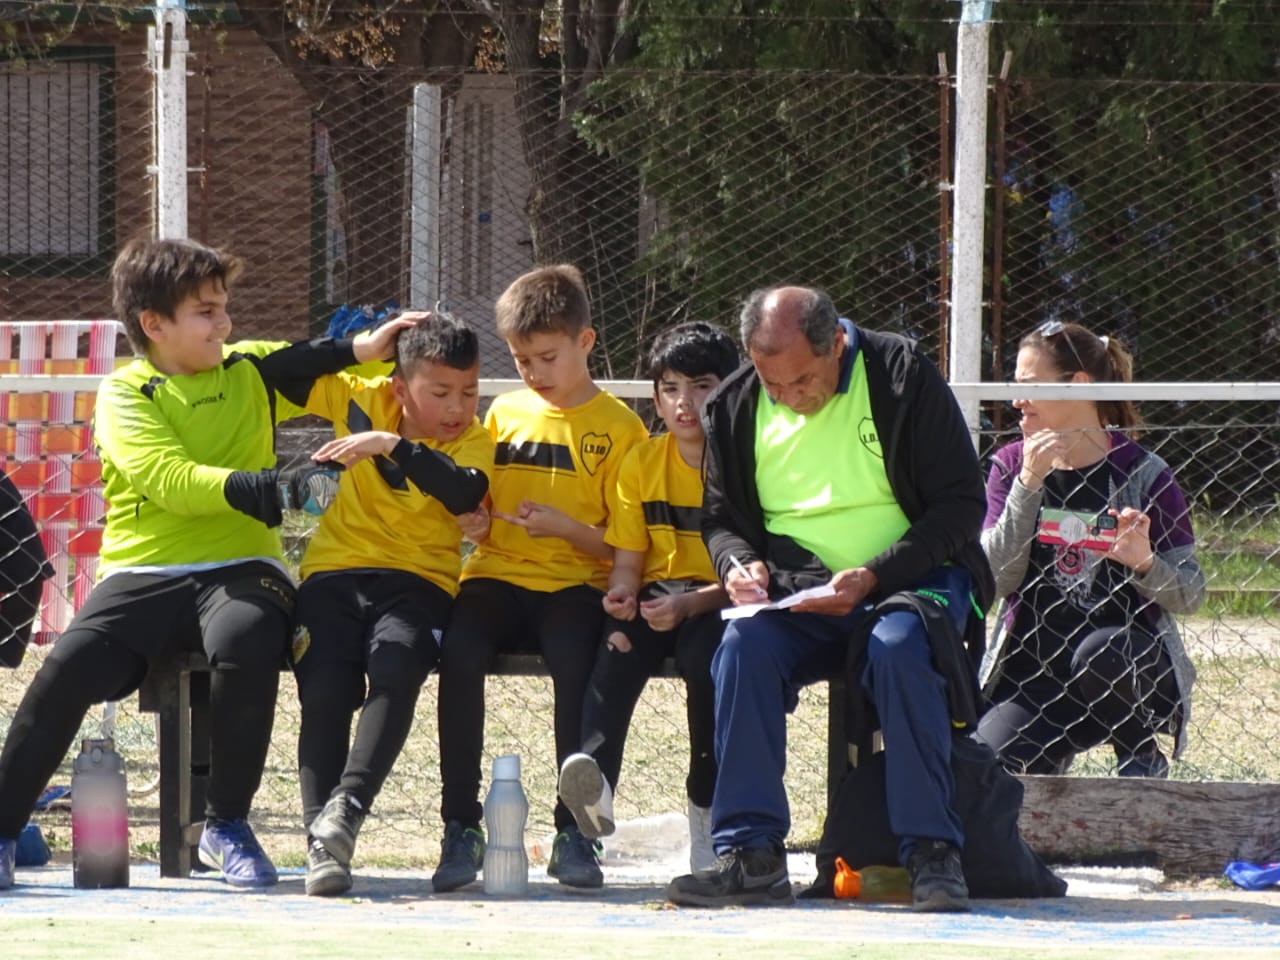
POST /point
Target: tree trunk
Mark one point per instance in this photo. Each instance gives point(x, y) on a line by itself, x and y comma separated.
point(363, 109)
point(583, 208)
point(1185, 828)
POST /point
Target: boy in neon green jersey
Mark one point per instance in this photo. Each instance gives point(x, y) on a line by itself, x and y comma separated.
point(190, 559)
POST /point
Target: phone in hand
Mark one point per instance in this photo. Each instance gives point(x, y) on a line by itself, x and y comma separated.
point(1078, 528)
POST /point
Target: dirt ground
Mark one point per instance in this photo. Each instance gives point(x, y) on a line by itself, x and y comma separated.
point(1105, 911)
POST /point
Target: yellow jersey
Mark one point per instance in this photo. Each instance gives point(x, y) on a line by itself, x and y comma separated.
point(563, 458)
point(380, 519)
point(659, 513)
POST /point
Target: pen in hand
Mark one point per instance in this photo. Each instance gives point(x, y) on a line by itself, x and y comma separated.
point(737, 565)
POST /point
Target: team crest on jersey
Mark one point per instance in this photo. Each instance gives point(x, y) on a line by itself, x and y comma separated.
point(593, 449)
point(301, 642)
point(870, 439)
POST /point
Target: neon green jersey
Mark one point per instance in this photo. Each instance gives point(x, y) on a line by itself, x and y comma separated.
point(167, 445)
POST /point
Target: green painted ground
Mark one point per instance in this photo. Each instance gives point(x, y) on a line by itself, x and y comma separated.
point(145, 939)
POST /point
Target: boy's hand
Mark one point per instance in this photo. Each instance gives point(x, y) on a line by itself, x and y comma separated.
point(538, 519)
point(311, 487)
point(355, 447)
point(666, 612)
point(620, 603)
point(265, 495)
point(380, 344)
point(475, 525)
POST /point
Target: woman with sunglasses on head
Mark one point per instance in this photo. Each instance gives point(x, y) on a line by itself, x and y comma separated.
point(1090, 541)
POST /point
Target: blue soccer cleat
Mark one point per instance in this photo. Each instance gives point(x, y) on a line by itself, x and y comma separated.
point(230, 846)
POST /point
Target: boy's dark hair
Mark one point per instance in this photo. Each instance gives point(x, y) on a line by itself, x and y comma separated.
point(437, 338)
point(544, 300)
point(157, 275)
point(693, 349)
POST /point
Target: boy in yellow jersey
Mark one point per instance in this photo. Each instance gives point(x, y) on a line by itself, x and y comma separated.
point(663, 598)
point(535, 583)
point(190, 557)
point(380, 574)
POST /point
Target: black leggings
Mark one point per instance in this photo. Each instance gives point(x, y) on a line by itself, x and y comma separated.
point(1121, 691)
point(620, 676)
point(233, 614)
point(491, 617)
point(375, 625)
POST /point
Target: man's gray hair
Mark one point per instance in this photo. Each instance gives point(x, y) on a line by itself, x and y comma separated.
point(816, 318)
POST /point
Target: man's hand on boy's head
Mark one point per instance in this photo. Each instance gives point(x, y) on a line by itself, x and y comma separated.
point(539, 520)
point(475, 525)
point(620, 602)
point(355, 447)
point(380, 343)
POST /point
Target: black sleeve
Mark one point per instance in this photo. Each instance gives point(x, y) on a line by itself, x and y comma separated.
point(459, 489)
point(293, 370)
point(23, 569)
point(255, 495)
point(22, 556)
point(946, 485)
point(718, 531)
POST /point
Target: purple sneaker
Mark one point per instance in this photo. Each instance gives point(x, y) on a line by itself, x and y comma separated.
point(230, 846)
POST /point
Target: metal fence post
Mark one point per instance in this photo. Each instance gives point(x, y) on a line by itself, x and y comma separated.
point(167, 55)
point(967, 238)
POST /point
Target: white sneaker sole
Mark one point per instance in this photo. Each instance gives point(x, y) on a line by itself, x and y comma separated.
point(586, 793)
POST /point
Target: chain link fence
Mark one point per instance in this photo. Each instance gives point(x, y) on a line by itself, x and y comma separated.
point(1146, 208)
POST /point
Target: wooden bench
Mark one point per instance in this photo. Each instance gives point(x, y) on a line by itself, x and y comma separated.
point(176, 689)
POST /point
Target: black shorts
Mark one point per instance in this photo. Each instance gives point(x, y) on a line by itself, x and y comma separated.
point(349, 616)
point(153, 614)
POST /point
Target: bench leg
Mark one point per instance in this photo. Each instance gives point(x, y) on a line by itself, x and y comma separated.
point(837, 741)
point(173, 718)
point(198, 782)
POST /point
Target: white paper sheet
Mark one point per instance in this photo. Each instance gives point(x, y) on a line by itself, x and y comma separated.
point(751, 609)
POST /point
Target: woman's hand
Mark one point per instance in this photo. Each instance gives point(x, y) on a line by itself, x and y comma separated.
point(1133, 540)
point(1042, 453)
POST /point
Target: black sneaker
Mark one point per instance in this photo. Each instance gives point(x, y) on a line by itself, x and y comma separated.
point(575, 860)
point(754, 876)
point(337, 825)
point(461, 857)
point(326, 875)
point(937, 881)
point(1146, 762)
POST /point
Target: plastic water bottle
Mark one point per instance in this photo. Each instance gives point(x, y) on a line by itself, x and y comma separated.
point(506, 862)
point(873, 883)
point(99, 817)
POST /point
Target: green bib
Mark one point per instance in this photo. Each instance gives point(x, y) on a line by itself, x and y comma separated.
point(821, 477)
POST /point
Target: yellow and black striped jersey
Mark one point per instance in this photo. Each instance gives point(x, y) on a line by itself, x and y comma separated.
point(564, 458)
point(659, 513)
